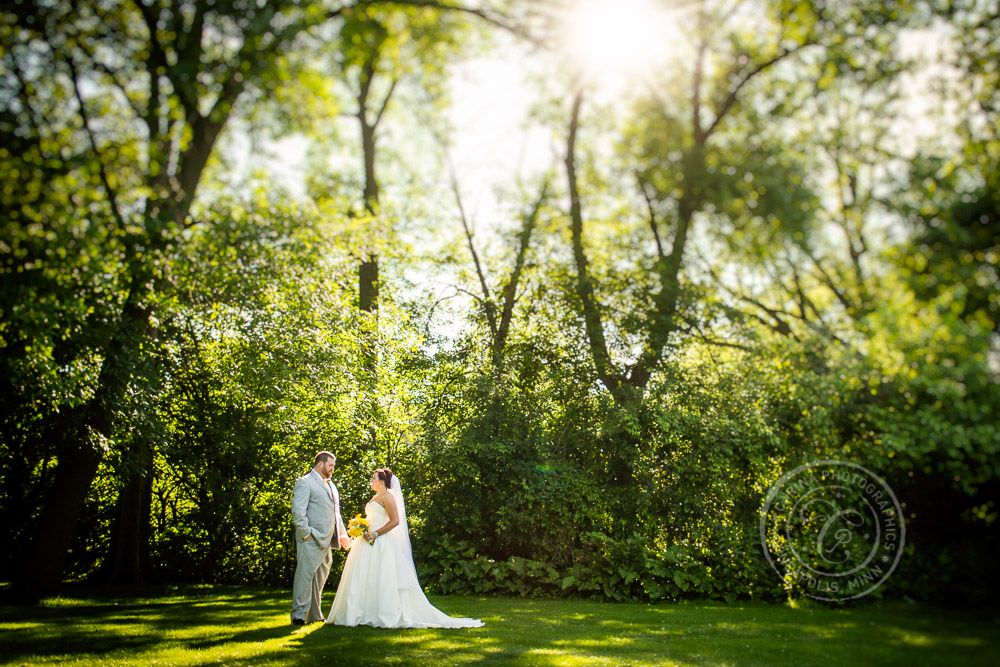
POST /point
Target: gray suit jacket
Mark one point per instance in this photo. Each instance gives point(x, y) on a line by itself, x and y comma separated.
point(316, 510)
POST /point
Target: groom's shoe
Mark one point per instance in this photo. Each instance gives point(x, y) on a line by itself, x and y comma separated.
point(298, 621)
point(321, 620)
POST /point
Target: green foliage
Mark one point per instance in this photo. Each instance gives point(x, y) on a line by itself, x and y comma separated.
point(672, 518)
point(808, 297)
point(605, 569)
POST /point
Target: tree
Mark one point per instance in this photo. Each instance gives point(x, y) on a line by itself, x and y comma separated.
point(686, 167)
point(147, 89)
point(499, 319)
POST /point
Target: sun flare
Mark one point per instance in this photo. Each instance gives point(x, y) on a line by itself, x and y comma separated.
point(617, 42)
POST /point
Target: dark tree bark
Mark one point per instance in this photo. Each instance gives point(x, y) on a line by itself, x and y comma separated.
point(592, 318)
point(368, 272)
point(368, 284)
point(130, 562)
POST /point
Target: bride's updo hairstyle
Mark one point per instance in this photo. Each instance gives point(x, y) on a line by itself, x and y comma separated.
point(385, 475)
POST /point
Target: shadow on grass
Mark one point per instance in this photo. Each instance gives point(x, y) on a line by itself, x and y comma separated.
point(115, 621)
point(234, 627)
point(695, 634)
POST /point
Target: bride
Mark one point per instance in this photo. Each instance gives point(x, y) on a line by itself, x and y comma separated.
point(379, 584)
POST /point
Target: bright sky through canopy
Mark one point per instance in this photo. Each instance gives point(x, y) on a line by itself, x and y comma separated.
point(617, 43)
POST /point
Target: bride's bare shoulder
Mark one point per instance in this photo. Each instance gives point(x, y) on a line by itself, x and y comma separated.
point(385, 500)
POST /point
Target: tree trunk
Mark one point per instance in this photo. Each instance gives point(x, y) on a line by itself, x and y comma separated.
point(509, 294)
point(368, 271)
point(584, 281)
point(52, 534)
point(79, 459)
point(129, 558)
point(368, 284)
point(661, 320)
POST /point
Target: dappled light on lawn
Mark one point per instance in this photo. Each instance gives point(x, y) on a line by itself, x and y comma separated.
point(228, 627)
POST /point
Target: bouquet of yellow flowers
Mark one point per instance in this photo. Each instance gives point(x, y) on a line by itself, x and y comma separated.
point(358, 526)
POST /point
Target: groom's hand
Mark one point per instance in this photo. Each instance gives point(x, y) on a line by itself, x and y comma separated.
point(345, 543)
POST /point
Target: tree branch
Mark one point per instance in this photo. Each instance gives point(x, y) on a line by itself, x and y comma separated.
point(699, 64)
point(653, 225)
point(733, 96)
point(713, 341)
point(112, 194)
point(385, 103)
point(497, 19)
point(487, 300)
point(584, 281)
point(825, 278)
point(509, 294)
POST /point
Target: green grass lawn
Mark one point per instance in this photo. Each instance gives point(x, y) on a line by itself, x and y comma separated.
point(236, 626)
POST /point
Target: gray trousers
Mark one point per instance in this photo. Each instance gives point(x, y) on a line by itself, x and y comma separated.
point(312, 568)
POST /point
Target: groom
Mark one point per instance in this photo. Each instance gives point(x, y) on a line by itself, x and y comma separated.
point(316, 515)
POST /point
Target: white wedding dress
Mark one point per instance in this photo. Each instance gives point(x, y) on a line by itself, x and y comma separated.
point(379, 584)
